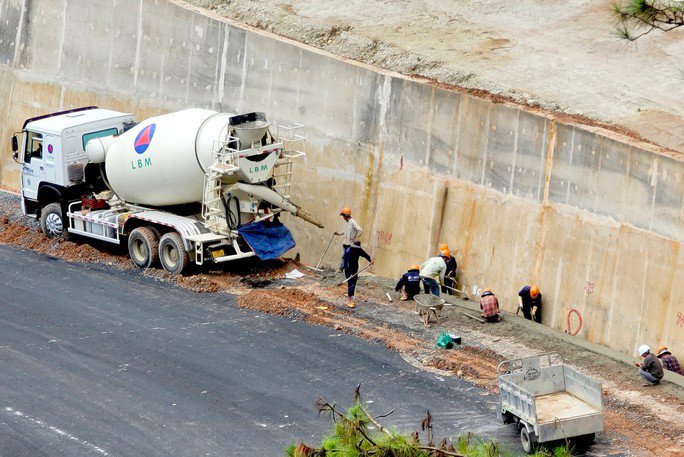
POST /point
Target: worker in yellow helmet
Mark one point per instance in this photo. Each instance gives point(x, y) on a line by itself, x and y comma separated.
point(529, 301)
point(409, 284)
point(351, 233)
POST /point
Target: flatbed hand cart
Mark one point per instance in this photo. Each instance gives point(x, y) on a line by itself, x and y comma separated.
point(428, 307)
point(549, 401)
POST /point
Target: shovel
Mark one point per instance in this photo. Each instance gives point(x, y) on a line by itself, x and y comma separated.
point(325, 252)
point(355, 274)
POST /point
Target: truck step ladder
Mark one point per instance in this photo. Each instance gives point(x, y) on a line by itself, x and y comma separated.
point(224, 163)
point(294, 147)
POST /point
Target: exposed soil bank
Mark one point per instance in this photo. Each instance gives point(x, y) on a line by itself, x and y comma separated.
point(563, 57)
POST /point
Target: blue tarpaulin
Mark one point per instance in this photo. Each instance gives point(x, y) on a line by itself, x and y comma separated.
point(267, 241)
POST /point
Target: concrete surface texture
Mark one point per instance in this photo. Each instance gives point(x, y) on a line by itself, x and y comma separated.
point(592, 218)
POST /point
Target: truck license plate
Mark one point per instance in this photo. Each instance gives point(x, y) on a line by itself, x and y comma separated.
point(217, 254)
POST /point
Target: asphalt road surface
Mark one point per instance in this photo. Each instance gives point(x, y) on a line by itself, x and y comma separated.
point(95, 361)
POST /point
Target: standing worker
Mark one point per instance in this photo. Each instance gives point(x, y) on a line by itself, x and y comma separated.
point(351, 232)
point(409, 284)
point(651, 369)
point(529, 300)
point(450, 273)
point(350, 265)
point(433, 270)
point(489, 305)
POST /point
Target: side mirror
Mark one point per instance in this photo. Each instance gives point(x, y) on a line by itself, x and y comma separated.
point(15, 145)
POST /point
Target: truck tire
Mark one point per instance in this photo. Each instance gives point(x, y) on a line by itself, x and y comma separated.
point(527, 440)
point(52, 221)
point(143, 247)
point(174, 258)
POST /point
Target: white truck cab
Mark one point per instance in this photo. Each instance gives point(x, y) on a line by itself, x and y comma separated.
point(53, 158)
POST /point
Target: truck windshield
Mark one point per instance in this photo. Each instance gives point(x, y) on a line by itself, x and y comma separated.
point(34, 146)
point(99, 134)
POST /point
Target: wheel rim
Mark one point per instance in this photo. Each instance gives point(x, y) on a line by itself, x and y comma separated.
point(140, 250)
point(171, 256)
point(525, 440)
point(53, 224)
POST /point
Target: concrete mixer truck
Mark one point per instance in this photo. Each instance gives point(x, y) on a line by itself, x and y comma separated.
point(191, 186)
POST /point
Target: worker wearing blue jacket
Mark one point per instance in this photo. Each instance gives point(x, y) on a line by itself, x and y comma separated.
point(409, 284)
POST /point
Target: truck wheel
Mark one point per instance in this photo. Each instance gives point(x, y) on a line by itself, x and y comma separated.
point(143, 247)
point(52, 221)
point(526, 440)
point(174, 258)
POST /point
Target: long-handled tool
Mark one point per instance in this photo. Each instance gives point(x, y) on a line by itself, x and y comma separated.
point(454, 289)
point(325, 252)
point(355, 274)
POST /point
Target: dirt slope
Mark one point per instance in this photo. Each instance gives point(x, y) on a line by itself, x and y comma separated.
point(561, 56)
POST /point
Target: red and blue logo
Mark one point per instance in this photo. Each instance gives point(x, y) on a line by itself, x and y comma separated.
point(144, 138)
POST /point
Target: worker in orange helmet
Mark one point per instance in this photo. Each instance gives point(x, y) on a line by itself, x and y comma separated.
point(351, 233)
point(529, 300)
point(450, 273)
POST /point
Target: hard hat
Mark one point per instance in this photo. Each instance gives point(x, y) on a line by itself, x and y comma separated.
point(443, 246)
point(487, 291)
point(662, 349)
point(346, 211)
point(534, 291)
point(643, 349)
point(414, 267)
point(445, 253)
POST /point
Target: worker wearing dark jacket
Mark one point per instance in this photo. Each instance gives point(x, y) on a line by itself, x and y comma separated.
point(410, 282)
point(450, 273)
point(350, 264)
point(529, 299)
point(651, 369)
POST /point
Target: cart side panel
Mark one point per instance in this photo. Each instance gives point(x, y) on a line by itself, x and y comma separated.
point(583, 387)
point(517, 401)
point(568, 428)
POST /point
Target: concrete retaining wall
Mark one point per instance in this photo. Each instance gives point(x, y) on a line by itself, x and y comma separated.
point(594, 220)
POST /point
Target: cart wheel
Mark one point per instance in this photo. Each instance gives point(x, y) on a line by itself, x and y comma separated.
point(526, 440)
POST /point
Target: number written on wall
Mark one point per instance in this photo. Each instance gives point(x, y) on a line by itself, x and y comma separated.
point(384, 237)
point(680, 319)
point(589, 287)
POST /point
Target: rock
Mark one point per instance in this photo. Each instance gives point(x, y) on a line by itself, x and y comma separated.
point(459, 373)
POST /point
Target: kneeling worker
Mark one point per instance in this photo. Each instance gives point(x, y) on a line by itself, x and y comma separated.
point(409, 284)
point(433, 270)
point(489, 305)
point(529, 300)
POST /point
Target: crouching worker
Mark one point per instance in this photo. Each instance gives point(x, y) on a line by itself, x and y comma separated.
point(529, 299)
point(409, 284)
point(350, 266)
point(489, 305)
point(651, 369)
point(669, 361)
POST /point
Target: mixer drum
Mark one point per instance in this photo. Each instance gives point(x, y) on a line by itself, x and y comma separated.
point(162, 161)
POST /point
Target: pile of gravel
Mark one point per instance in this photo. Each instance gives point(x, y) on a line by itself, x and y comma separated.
point(10, 207)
